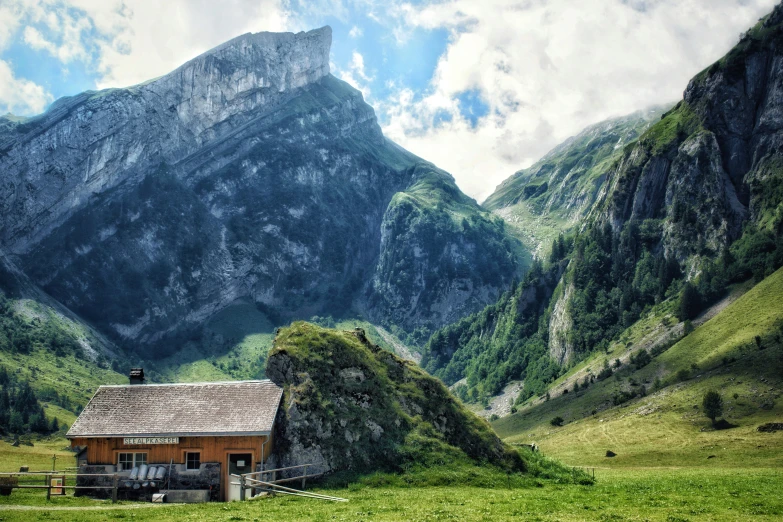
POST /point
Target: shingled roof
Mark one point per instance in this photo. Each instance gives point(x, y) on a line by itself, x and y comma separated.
point(180, 410)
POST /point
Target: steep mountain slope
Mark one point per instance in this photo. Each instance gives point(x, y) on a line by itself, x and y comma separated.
point(249, 174)
point(46, 345)
point(557, 192)
point(650, 412)
point(692, 205)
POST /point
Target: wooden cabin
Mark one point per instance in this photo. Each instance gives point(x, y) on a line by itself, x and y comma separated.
point(199, 432)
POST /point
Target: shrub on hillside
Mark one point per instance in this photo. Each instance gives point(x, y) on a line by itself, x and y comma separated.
point(641, 359)
point(605, 372)
point(690, 302)
point(557, 421)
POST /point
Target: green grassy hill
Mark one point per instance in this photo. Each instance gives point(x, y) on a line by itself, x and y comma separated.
point(59, 360)
point(738, 352)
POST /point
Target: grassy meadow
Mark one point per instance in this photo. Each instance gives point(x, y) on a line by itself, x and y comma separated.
point(621, 493)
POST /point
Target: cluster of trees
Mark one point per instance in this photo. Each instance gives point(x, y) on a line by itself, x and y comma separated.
point(506, 340)
point(615, 277)
point(20, 410)
point(756, 254)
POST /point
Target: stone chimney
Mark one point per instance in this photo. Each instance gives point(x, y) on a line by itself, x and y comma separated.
point(136, 376)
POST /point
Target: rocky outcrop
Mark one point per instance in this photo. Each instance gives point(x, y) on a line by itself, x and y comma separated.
point(248, 173)
point(560, 324)
point(433, 268)
point(349, 405)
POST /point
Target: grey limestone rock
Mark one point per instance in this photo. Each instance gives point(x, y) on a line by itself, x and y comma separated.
point(248, 173)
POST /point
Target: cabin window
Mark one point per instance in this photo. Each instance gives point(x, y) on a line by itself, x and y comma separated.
point(192, 460)
point(130, 460)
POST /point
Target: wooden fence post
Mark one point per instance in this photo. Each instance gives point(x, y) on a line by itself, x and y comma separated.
point(114, 484)
point(49, 487)
point(242, 487)
point(304, 476)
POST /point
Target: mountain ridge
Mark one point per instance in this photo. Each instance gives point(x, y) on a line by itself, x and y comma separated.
point(249, 172)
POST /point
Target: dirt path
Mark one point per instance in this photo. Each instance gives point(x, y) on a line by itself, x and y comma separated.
point(399, 348)
point(83, 508)
point(500, 404)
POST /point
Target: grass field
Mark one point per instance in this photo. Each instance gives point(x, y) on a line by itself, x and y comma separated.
point(634, 493)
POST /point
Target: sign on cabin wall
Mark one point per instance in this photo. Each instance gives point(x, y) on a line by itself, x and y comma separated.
point(150, 440)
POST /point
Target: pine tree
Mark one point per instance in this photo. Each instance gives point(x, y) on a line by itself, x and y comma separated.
point(5, 410)
point(16, 423)
point(555, 255)
point(713, 405)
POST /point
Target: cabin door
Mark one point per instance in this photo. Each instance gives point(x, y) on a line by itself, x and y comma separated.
point(238, 463)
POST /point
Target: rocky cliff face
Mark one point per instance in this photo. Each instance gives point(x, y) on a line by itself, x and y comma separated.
point(707, 177)
point(89, 143)
point(440, 259)
point(561, 349)
point(711, 163)
point(248, 173)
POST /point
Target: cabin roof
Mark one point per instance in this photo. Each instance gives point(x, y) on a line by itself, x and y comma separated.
point(188, 409)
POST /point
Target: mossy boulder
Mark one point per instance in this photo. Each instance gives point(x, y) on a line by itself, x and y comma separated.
point(349, 405)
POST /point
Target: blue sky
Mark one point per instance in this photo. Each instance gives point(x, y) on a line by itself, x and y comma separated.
point(481, 88)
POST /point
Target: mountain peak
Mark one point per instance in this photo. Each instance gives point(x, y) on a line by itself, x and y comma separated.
point(244, 74)
point(280, 61)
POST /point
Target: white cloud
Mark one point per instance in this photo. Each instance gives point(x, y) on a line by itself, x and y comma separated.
point(10, 16)
point(355, 74)
point(357, 66)
point(20, 96)
point(355, 32)
point(150, 38)
point(130, 42)
point(36, 40)
point(547, 69)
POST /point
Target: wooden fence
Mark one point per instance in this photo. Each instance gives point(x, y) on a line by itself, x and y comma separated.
point(11, 481)
point(267, 481)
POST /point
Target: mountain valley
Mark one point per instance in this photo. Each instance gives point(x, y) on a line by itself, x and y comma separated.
point(244, 217)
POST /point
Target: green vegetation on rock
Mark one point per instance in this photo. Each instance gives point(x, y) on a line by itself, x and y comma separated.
point(374, 411)
point(687, 210)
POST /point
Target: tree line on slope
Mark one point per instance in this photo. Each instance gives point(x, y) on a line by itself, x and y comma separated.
point(615, 279)
point(20, 410)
